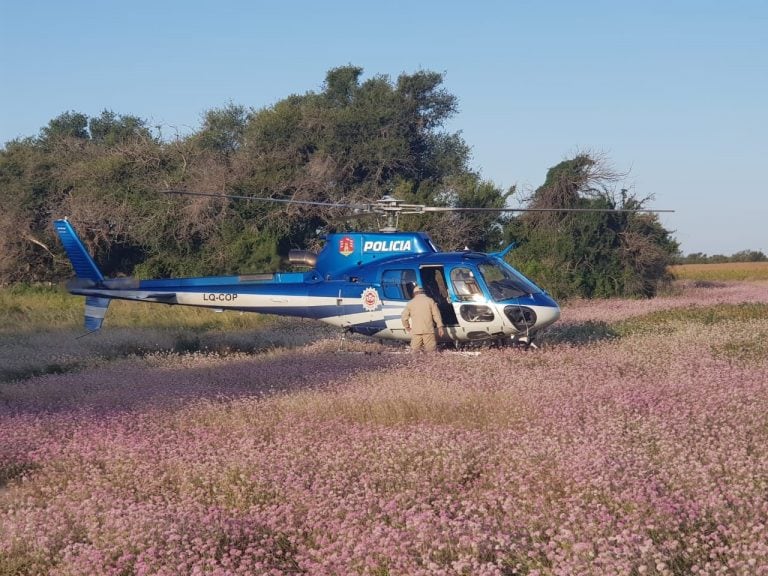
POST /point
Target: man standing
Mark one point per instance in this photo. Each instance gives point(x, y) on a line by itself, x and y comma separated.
point(420, 318)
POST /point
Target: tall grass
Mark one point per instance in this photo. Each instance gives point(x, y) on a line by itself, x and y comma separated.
point(41, 332)
point(31, 309)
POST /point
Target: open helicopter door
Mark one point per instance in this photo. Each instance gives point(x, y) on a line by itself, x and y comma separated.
point(434, 284)
point(472, 306)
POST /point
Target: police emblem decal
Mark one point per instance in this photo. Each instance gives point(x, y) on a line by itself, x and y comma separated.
point(370, 299)
point(346, 245)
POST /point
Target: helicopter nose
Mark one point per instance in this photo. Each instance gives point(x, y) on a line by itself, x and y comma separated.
point(547, 315)
point(547, 310)
point(532, 313)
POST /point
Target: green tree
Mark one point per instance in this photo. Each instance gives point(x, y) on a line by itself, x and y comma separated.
point(110, 128)
point(67, 125)
point(749, 256)
point(27, 247)
point(591, 254)
point(356, 141)
point(223, 129)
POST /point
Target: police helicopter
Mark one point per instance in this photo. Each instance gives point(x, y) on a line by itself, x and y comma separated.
point(359, 281)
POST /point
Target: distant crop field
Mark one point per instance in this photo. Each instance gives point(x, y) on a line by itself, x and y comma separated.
point(733, 271)
point(634, 442)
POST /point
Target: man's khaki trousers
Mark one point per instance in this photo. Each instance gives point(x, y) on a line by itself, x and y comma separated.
point(426, 342)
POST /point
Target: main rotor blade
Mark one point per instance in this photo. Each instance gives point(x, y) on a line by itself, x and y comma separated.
point(392, 205)
point(450, 209)
point(278, 200)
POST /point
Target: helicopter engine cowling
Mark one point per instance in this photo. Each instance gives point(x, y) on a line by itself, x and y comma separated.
point(302, 258)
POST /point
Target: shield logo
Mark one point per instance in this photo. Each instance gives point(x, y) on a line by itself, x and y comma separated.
point(370, 299)
point(346, 245)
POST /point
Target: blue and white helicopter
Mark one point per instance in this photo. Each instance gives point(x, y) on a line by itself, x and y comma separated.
point(359, 281)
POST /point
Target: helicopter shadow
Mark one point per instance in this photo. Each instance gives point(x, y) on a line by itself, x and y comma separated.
point(580, 333)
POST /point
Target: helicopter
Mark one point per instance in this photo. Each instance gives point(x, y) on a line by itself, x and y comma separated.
point(359, 281)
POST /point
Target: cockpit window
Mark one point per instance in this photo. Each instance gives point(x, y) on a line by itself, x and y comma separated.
point(505, 282)
point(465, 285)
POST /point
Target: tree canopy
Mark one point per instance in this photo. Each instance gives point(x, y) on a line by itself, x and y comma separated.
point(354, 140)
point(596, 253)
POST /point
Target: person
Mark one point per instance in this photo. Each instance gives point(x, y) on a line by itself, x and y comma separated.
point(420, 318)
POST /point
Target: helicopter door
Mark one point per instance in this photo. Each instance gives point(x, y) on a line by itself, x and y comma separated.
point(476, 317)
point(397, 286)
point(433, 281)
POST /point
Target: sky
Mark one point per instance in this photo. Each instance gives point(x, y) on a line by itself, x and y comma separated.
point(673, 93)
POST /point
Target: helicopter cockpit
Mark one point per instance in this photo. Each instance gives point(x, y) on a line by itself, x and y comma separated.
point(485, 294)
point(504, 282)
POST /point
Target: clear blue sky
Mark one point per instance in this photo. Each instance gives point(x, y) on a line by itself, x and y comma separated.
point(676, 93)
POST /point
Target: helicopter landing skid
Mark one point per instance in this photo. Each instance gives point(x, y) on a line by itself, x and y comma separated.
point(343, 339)
point(515, 342)
point(524, 342)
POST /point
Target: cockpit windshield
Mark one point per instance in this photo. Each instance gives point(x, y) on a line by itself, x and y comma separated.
point(505, 282)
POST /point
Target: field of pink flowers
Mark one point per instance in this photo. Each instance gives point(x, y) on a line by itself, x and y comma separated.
point(642, 453)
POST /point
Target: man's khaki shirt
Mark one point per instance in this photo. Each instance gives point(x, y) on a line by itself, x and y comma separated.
point(422, 315)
